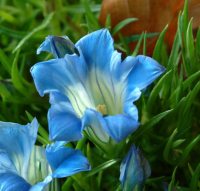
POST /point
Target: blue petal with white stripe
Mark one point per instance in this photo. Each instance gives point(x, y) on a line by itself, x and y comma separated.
point(97, 83)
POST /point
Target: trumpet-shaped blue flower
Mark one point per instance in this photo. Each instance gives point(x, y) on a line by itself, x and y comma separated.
point(22, 164)
point(91, 87)
point(134, 170)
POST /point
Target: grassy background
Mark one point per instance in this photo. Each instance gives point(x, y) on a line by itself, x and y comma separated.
point(169, 109)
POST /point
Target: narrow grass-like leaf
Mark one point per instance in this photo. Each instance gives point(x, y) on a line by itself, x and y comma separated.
point(157, 89)
point(172, 183)
point(191, 96)
point(35, 30)
point(138, 45)
point(188, 149)
point(11, 32)
point(92, 21)
point(136, 37)
point(198, 44)
point(81, 143)
point(177, 143)
point(172, 63)
point(108, 22)
point(145, 44)
point(15, 76)
point(185, 16)
point(122, 24)
point(6, 16)
point(4, 92)
point(168, 147)
point(80, 180)
point(189, 48)
point(190, 41)
point(101, 167)
point(188, 82)
point(67, 184)
point(5, 61)
point(152, 122)
point(159, 44)
point(195, 181)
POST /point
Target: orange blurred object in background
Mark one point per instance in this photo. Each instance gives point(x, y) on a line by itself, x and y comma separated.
point(153, 16)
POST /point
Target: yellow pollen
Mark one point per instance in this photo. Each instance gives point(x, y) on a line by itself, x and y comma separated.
point(102, 108)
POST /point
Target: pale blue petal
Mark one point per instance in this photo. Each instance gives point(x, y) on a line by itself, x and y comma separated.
point(64, 125)
point(18, 140)
point(129, 107)
point(97, 48)
point(93, 120)
point(38, 168)
point(65, 161)
point(51, 75)
point(41, 186)
point(12, 182)
point(56, 97)
point(144, 72)
point(6, 163)
point(134, 169)
point(121, 69)
point(58, 46)
point(120, 126)
point(66, 76)
point(78, 66)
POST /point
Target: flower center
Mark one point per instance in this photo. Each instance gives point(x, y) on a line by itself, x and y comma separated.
point(102, 108)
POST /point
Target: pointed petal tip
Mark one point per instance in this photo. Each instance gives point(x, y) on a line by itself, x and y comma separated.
point(45, 46)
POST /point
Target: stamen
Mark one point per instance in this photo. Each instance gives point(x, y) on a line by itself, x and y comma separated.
point(102, 108)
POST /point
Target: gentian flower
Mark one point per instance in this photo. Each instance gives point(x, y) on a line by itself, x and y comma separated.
point(134, 170)
point(91, 88)
point(23, 165)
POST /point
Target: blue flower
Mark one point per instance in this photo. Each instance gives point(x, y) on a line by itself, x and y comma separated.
point(134, 170)
point(91, 88)
point(23, 165)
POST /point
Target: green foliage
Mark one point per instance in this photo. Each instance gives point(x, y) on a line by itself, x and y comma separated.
point(169, 110)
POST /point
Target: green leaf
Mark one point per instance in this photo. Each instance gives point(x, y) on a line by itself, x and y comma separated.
point(190, 41)
point(169, 146)
point(191, 96)
point(11, 32)
point(137, 47)
point(185, 16)
point(152, 122)
point(173, 61)
point(188, 149)
point(4, 92)
point(157, 89)
point(16, 76)
point(108, 22)
point(145, 44)
point(6, 16)
point(177, 143)
point(172, 183)
point(190, 52)
point(197, 48)
point(102, 167)
point(44, 24)
point(92, 21)
point(122, 24)
point(5, 61)
point(195, 181)
point(159, 44)
point(188, 82)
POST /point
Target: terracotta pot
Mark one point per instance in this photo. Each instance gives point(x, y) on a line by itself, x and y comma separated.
point(153, 16)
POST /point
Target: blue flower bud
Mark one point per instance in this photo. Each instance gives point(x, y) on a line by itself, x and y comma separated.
point(134, 170)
